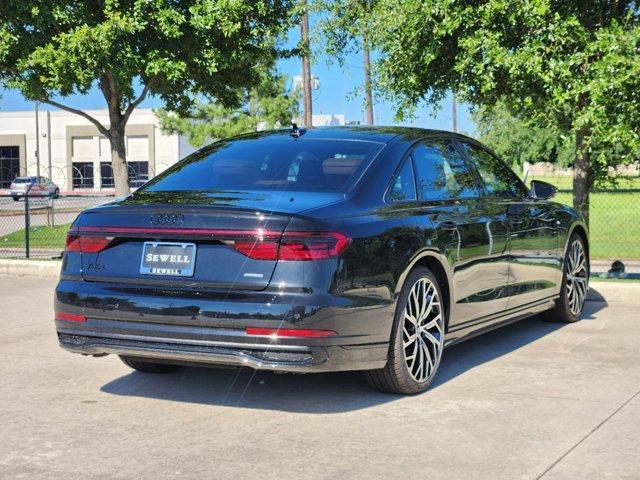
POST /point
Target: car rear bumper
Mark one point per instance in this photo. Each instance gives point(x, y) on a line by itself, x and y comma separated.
point(134, 322)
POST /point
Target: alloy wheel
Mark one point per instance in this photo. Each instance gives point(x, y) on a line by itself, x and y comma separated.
point(423, 331)
point(577, 277)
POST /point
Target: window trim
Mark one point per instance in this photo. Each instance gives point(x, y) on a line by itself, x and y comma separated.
point(406, 158)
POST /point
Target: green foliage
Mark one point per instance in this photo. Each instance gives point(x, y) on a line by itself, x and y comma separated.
point(572, 66)
point(518, 141)
point(343, 25)
point(177, 49)
point(268, 105)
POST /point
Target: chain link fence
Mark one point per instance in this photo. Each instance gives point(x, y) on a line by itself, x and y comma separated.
point(614, 230)
point(36, 226)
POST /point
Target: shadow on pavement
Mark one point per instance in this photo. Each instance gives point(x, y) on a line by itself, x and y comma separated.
point(322, 393)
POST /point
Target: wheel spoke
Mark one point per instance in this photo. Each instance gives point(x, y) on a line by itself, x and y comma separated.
point(576, 278)
point(423, 330)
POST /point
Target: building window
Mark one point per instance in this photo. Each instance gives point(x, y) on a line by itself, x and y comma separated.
point(138, 173)
point(9, 165)
point(106, 175)
point(82, 175)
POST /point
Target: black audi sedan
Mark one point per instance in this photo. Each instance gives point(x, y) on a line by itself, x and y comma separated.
point(322, 250)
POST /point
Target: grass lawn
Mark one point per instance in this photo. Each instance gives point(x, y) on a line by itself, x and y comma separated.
point(614, 229)
point(39, 237)
point(565, 182)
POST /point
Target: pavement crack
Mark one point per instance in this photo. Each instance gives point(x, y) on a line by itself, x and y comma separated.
point(593, 430)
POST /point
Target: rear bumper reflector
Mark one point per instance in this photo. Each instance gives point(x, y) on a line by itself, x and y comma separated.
point(70, 317)
point(290, 332)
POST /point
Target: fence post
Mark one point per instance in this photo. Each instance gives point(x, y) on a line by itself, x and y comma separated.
point(26, 222)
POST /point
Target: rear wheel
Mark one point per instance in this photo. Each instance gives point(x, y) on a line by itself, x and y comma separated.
point(15, 198)
point(575, 284)
point(149, 367)
point(417, 337)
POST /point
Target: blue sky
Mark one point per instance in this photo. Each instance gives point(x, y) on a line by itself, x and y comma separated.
point(334, 96)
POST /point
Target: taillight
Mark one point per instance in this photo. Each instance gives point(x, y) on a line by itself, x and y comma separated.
point(86, 243)
point(294, 246)
point(256, 244)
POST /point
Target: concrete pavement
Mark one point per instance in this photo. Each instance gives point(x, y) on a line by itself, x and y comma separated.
point(532, 400)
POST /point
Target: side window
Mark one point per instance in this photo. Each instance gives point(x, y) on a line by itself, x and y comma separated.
point(403, 186)
point(498, 179)
point(442, 172)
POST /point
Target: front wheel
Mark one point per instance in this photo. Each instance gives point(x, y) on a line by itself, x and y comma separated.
point(149, 367)
point(575, 284)
point(417, 337)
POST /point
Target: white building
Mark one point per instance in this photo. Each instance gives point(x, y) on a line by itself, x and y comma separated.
point(74, 154)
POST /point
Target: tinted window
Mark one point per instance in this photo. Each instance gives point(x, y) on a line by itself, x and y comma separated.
point(498, 179)
point(403, 187)
point(442, 173)
point(270, 163)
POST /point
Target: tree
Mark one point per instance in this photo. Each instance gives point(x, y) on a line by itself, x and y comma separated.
point(347, 27)
point(570, 65)
point(134, 48)
point(520, 141)
point(267, 105)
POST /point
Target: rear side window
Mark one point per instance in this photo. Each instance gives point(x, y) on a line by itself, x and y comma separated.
point(403, 187)
point(276, 162)
point(498, 179)
point(442, 173)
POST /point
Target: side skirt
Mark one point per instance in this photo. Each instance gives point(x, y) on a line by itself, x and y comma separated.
point(504, 318)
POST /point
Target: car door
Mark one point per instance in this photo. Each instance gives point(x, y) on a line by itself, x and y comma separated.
point(472, 233)
point(535, 267)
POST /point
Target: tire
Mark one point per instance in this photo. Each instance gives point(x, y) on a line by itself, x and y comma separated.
point(149, 367)
point(15, 198)
point(575, 282)
point(402, 374)
point(56, 193)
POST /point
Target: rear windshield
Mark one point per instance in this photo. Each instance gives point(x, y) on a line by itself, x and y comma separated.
point(270, 163)
point(25, 180)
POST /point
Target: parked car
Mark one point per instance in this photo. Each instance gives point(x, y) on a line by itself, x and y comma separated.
point(40, 187)
point(332, 249)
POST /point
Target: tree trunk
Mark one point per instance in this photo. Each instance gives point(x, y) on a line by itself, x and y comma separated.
point(582, 174)
point(119, 161)
point(367, 83)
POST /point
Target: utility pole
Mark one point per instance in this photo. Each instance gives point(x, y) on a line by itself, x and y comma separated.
point(306, 67)
point(49, 172)
point(454, 112)
point(367, 82)
point(37, 140)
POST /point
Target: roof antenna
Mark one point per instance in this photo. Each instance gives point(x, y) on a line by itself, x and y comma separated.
point(297, 132)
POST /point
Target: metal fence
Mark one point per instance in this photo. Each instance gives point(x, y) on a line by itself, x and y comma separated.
point(37, 228)
point(614, 229)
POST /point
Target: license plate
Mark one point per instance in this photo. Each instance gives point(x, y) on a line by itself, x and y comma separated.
point(168, 258)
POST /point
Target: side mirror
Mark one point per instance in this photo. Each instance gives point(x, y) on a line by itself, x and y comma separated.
point(542, 190)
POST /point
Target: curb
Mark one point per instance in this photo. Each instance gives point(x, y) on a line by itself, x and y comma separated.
point(34, 268)
point(610, 292)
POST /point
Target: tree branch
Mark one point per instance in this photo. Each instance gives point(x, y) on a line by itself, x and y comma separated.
point(136, 102)
point(101, 128)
